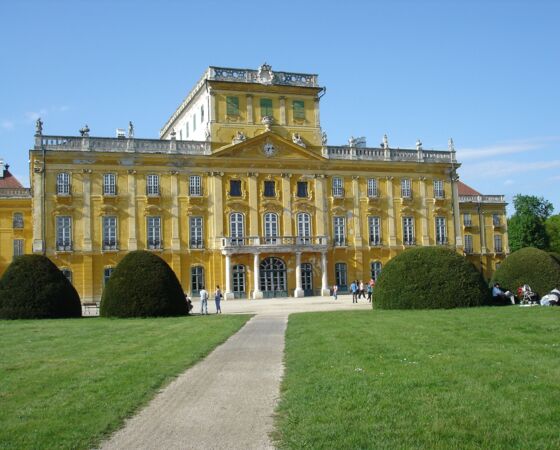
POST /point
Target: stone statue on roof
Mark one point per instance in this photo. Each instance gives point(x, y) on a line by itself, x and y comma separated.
point(39, 127)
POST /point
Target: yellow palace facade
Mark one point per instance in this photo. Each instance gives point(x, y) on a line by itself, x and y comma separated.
point(242, 190)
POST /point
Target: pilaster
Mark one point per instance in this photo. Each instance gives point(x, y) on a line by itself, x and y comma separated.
point(38, 198)
point(250, 118)
point(391, 221)
point(132, 235)
point(282, 110)
point(286, 206)
point(456, 215)
point(317, 112)
point(356, 212)
point(86, 211)
point(217, 207)
point(175, 224)
point(252, 187)
point(424, 213)
point(320, 206)
point(213, 113)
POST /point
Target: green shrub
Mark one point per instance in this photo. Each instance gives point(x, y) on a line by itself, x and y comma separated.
point(429, 277)
point(143, 285)
point(555, 256)
point(529, 266)
point(32, 287)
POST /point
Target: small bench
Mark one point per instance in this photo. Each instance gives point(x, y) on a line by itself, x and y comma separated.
point(88, 307)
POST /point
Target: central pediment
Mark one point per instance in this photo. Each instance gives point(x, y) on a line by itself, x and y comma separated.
point(267, 146)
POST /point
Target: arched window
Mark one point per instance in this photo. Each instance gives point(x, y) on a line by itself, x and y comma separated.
point(236, 228)
point(197, 279)
point(304, 228)
point(271, 228)
point(238, 272)
point(375, 269)
point(273, 277)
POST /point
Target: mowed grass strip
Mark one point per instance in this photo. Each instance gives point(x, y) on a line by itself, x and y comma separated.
point(68, 383)
point(466, 378)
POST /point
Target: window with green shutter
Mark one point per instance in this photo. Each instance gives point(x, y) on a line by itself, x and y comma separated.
point(266, 107)
point(232, 106)
point(299, 110)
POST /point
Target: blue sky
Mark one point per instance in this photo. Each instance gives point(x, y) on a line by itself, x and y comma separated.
point(483, 72)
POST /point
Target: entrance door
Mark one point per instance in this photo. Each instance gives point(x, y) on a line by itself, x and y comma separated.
point(273, 278)
point(239, 281)
point(307, 279)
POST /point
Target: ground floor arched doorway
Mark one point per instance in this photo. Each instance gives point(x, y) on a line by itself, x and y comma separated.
point(273, 278)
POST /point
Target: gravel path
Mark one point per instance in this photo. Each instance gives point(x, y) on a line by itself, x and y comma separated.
point(227, 400)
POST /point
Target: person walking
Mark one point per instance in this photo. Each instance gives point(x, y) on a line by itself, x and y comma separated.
point(218, 299)
point(369, 292)
point(335, 291)
point(203, 301)
point(354, 289)
point(361, 292)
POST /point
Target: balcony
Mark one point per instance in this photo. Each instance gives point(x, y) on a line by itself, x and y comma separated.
point(110, 246)
point(155, 245)
point(376, 242)
point(196, 244)
point(277, 244)
point(63, 247)
point(409, 242)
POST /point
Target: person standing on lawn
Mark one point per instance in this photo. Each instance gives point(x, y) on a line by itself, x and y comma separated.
point(335, 291)
point(203, 301)
point(354, 289)
point(218, 299)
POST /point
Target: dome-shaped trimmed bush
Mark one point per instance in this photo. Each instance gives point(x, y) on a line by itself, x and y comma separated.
point(429, 277)
point(143, 285)
point(529, 266)
point(32, 287)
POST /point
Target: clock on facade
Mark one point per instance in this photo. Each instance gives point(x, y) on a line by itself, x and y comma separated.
point(269, 149)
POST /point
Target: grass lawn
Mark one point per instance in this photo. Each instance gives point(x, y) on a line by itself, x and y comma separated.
point(470, 378)
point(68, 383)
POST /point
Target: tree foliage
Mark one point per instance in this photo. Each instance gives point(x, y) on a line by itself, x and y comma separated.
point(32, 287)
point(429, 277)
point(143, 285)
point(526, 228)
point(552, 226)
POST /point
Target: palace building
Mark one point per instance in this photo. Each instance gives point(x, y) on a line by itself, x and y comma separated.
point(242, 190)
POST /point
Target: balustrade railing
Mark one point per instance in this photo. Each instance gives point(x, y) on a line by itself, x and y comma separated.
point(482, 198)
point(273, 241)
point(389, 154)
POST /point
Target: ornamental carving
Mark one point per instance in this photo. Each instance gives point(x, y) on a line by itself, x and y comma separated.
point(265, 75)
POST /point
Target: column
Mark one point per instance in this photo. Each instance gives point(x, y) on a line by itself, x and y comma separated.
point(456, 215)
point(217, 208)
point(86, 210)
point(132, 241)
point(321, 226)
point(482, 229)
point(38, 216)
point(250, 119)
point(424, 213)
point(257, 293)
point(175, 241)
point(253, 204)
point(213, 112)
point(298, 291)
point(391, 213)
point(286, 206)
point(282, 110)
point(317, 114)
point(325, 291)
point(228, 294)
point(356, 212)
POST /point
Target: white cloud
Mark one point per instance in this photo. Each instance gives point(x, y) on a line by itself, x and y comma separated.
point(500, 169)
point(7, 124)
point(506, 148)
point(34, 115)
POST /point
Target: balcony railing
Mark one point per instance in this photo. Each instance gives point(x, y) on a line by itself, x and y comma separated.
point(387, 154)
point(63, 246)
point(482, 198)
point(277, 242)
point(196, 243)
point(109, 246)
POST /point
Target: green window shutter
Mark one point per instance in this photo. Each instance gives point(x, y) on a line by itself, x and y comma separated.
point(299, 109)
point(232, 106)
point(266, 107)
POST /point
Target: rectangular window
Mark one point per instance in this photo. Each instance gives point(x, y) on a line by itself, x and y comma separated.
point(195, 228)
point(107, 272)
point(197, 280)
point(468, 244)
point(109, 232)
point(152, 185)
point(372, 188)
point(266, 107)
point(374, 223)
point(194, 123)
point(441, 231)
point(235, 188)
point(299, 109)
point(187, 130)
point(339, 231)
point(340, 275)
point(498, 243)
point(467, 219)
point(201, 113)
point(18, 247)
point(17, 220)
point(154, 232)
point(438, 189)
point(406, 191)
point(496, 220)
point(63, 233)
point(302, 189)
point(63, 183)
point(195, 186)
point(337, 187)
point(109, 184)
point(232, 104)
point(269, 189)
point(408, 231)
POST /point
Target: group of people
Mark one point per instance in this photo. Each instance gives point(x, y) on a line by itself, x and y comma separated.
point(359, 290)
point(526, 295)
point(204, 295)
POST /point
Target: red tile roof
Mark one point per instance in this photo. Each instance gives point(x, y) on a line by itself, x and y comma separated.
point(466, 190)
point(9, 181)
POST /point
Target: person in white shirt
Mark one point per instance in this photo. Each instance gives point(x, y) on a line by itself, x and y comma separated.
point(203, 301)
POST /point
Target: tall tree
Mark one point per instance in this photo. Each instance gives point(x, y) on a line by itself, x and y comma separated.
point(526, 228)
point(552, 225)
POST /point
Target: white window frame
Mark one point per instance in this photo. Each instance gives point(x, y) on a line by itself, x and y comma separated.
point(107, 272)
point(195, 186)
point(17, 221)
point(372, 188)
point(110, 232)
point(496, 220)
point(153, 232)
point(152, 185)
point(439, 189)
point(406, 188)
point(375, 269)
point(441, 230)
point(63, 183)
point(374, 227)
point(109, 184)
point(196, 232)
point(498, 243)
point(237, 228)
point(19, 247)
point(63, 233)
point(337, 187)
point(341, 274)
point(467, 219)
point(304, 228)
point(271, 229)
point(468, 243)
point(339, 231)
point(194, 123)
point(408, 230)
